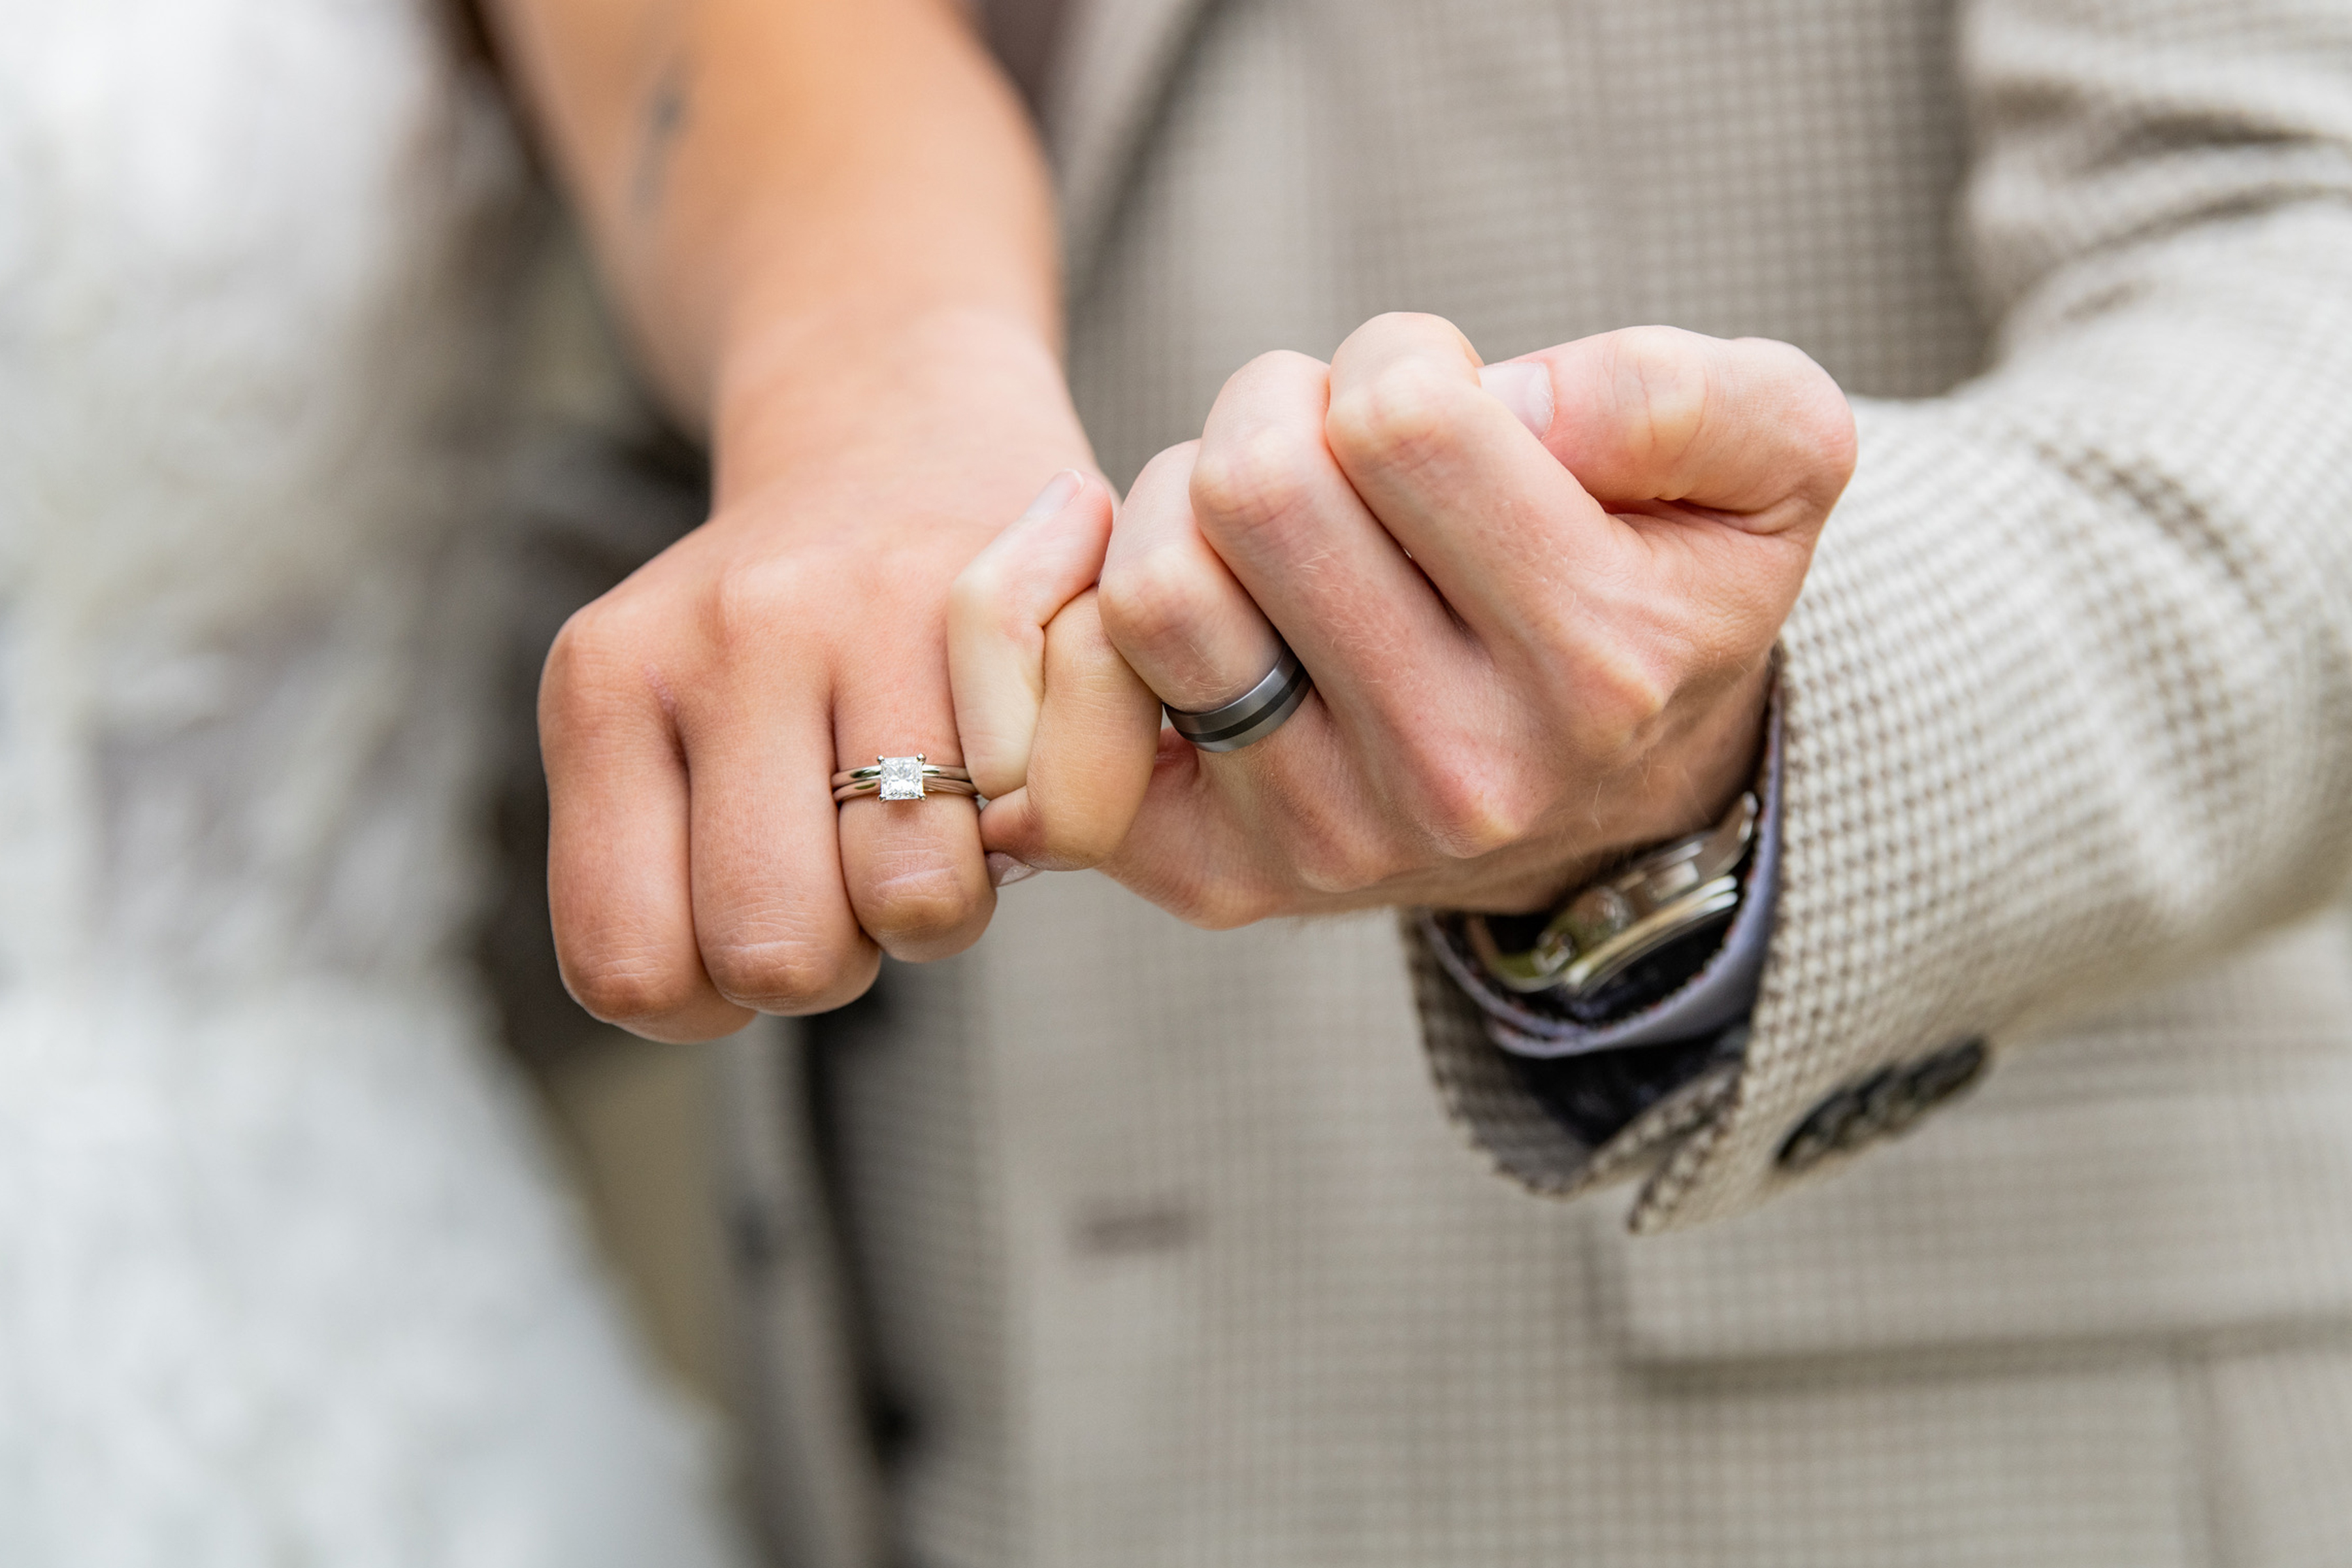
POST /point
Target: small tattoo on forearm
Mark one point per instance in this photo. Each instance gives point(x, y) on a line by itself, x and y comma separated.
point(667, 108)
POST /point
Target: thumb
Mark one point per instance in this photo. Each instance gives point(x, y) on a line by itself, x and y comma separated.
point(1654, 414)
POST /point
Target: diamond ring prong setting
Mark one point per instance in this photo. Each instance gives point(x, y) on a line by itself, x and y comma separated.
point(901, 777)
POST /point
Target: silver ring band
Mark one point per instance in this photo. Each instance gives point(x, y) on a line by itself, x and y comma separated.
point(901, 778)
point(1254, 715)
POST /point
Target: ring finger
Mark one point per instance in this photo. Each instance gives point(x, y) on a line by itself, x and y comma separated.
point(913, 868)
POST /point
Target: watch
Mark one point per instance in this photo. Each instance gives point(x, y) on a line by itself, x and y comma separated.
point(1661, 897)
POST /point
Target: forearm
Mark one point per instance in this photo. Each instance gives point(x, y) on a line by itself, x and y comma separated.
point(778, 190)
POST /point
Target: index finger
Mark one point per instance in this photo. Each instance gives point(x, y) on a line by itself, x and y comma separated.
point(619, 885)
point(1505, 534)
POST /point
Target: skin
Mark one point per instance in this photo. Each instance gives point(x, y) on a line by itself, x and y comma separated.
point(1539, 602)
point(832, 232)
point(1059, 730)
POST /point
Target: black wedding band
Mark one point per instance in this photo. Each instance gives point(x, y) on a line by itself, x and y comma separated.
point(1254, 715)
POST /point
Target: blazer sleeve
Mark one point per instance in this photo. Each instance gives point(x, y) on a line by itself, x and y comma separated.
point(2069, 689)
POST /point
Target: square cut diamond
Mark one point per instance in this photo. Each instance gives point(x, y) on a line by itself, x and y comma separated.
point(902, 778)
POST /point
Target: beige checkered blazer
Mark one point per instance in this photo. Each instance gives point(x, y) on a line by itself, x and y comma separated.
point(1164, 1251)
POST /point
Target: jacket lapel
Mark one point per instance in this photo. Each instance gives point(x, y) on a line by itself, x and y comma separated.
point(1109, 75)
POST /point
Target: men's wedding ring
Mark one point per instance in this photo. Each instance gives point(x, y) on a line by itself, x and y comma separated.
point(901, 778)
point(1254, 715)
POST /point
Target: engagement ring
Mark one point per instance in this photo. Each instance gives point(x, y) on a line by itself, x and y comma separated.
point(901, 778)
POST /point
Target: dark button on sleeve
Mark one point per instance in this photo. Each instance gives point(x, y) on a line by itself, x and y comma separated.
point(1886, 1104)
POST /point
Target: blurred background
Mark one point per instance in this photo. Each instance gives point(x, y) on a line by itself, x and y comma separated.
point(332, 1231)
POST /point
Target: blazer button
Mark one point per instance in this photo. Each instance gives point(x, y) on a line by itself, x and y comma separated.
point(1832, 1126)
point(1886, 1104)
point(1950, 1072)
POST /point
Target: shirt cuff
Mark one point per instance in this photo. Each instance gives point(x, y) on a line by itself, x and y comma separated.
point(1722, 994)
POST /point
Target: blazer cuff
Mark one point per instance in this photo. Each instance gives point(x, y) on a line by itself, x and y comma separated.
point(1720, 994)
point(1487, 1092)
point(1565, 1106)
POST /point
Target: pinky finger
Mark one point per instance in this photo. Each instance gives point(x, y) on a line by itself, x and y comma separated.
point(997, 614)
point(1091, 761)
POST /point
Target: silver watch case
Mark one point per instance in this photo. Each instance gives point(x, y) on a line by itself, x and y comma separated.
point(1664, 894)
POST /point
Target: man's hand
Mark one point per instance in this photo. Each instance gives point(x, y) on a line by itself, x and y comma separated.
point(1057, 731)
point(1539, 605)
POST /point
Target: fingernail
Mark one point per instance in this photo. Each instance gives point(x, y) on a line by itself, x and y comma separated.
point(1004, 871)
point(1525, 389)
point(1054, 495)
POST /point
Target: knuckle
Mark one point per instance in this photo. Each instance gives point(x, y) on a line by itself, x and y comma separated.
point(1255, 476)
point(1396, 419)
point(1811, 406)
point(630, 988)
point(1276, 370)
point(1071, 845)
point(1621, 704)
point(1206, 905)
point(985, 611)
point(1782, 364)
point(775, 975)
point(1393, 330)
point(977, 596)
point(590, 650)
point(1826, 419)
point(750, 605)
point(1188, 899)
point(580, 646)
point(1167, 474)
point(1666, 384)
point(918, 906)
point(1328, 856)
point(1332, 872)
point(1467, 811)
point(1837, 443)
point(1152, 598)
point(1203, 895)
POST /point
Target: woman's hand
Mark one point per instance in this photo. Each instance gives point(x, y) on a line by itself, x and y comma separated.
point(831, 230)
point(1056, 730)
point(692, 717)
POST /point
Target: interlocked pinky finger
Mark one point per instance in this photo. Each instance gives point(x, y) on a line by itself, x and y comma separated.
point(1097, 734)
point(998, 612)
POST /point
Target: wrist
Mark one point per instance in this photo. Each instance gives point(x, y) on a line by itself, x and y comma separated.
point(1681, 787)
point(975, 389)
point(1687, 783)
point(1594, 969)
point(1654, 902)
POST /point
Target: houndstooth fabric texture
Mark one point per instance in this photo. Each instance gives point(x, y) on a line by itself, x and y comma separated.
point(2069, 685)
point(1170, 1256)
point(2070, 689)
